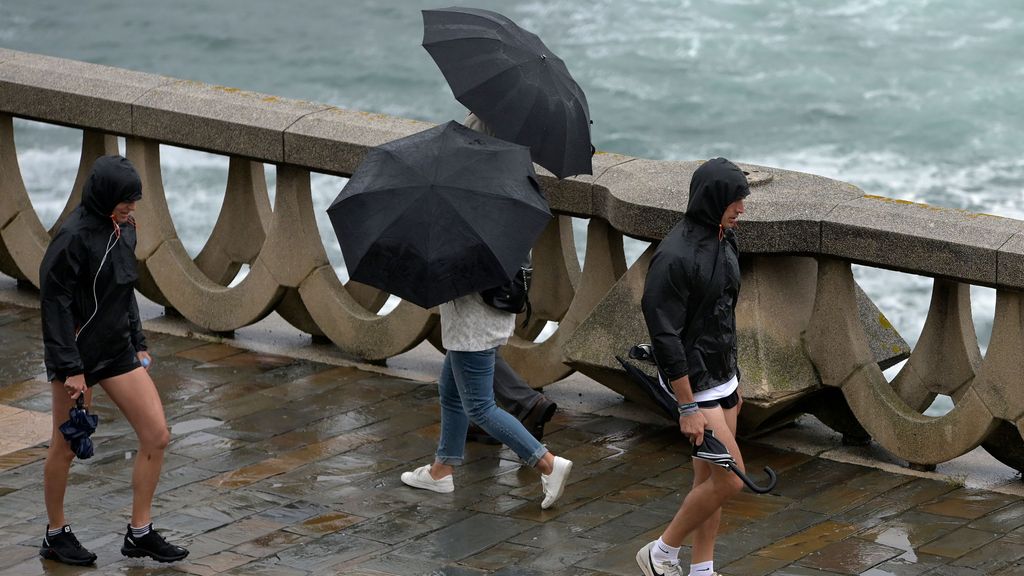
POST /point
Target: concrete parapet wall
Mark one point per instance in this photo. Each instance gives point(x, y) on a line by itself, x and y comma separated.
point(807, 331)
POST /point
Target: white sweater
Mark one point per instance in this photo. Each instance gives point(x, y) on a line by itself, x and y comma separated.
point(470, 325)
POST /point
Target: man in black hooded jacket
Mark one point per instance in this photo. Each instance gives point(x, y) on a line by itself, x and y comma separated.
point(689, 305)
point(92, 335)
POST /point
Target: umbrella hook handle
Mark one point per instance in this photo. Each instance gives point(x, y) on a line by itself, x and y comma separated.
point(750, 483)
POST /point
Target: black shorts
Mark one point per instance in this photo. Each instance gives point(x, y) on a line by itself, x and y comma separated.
point(123, 364)
point(729, 401)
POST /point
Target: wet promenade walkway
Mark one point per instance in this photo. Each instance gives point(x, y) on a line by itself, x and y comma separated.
point(290, 467)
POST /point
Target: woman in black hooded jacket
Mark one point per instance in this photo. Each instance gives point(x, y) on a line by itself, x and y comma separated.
point(689, 305)
point(92, 335)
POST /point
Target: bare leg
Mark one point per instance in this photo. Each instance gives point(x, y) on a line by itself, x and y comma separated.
point(705, 534)
point(59, 455)
point(705, 500)
point(137, 397)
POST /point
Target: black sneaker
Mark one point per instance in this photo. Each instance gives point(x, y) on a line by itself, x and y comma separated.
point(65, 548)
point(152, 545)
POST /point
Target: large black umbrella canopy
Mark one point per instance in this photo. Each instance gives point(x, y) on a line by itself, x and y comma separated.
point(439, 214)
point(514, 83)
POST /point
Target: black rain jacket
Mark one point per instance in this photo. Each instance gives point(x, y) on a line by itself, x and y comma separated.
point(695, 271)
point(89, 313)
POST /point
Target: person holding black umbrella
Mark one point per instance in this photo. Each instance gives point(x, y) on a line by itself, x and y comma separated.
point(513, 394)
point(92, 335)
point(471, 332)
point(689, 305)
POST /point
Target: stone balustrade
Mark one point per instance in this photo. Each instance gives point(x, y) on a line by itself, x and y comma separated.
point(810, 340)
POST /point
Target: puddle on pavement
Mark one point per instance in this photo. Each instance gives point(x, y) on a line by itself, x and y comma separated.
point(189, 426)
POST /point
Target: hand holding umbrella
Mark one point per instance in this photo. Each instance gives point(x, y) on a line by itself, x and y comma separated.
point(712, 450)
point(78, 428)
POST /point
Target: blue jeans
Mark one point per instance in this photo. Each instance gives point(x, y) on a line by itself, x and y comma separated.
point(467, 392)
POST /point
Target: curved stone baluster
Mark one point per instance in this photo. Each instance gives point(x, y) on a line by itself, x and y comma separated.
point(556, 270)
point(947, 353)
point(94, 145)
point(357, 330)
point(294, 311)
point(1001, 378)
point(168, 274)
point(541, 363)
point(337, 314)
point(23, 239)
point(242, 224)
point(837, 344)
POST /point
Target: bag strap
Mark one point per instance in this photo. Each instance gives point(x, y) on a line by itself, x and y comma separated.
point(527, 271)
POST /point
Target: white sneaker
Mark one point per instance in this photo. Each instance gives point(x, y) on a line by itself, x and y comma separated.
point(554, 483)
point(651, 568)
point(421, 478)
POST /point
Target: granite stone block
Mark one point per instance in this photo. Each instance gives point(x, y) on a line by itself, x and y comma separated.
point(219, 119)
point(69, 92)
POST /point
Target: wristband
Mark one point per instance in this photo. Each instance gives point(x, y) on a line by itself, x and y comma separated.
point(688, 408)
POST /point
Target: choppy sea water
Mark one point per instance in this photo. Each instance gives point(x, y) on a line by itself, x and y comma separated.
point(910, 99)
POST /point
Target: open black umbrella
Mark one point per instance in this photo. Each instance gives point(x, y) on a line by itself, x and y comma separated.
point(439, 214)
point(712, 450)
point(510, 80)
point(79, 426)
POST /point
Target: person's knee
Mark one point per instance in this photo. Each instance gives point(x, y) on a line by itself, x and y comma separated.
point(155, 439)
point(480, 411)
point(60, 451)
point(729, 485)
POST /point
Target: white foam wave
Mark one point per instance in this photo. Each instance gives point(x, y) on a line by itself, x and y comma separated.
point(991, 186)
point(175, 158)
point(13, 24)
point(1004, 23)
point(49, 175)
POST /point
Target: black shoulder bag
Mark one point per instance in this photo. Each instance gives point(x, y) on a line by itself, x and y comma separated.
point(514, 295)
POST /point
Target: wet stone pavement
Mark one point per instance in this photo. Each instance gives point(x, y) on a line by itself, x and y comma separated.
point(288, 467)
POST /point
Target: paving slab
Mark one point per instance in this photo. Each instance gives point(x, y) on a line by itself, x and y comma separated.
point(290, 467)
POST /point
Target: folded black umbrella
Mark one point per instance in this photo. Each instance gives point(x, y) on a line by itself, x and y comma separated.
point(712, 450)
point(439, 214)
point(653, 388)
point(514, 83)
point(79, 426)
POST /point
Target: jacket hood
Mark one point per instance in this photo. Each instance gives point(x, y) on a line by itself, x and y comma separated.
point(113, 180)
point(716, 184)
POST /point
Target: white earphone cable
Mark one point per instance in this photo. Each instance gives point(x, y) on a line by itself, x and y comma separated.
point(95, 300)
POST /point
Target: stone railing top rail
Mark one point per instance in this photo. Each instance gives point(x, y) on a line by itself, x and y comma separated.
point(789, 212)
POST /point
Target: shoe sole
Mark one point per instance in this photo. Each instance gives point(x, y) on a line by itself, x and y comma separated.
point(139, 553)
point(433, 487)
point(50, 554)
